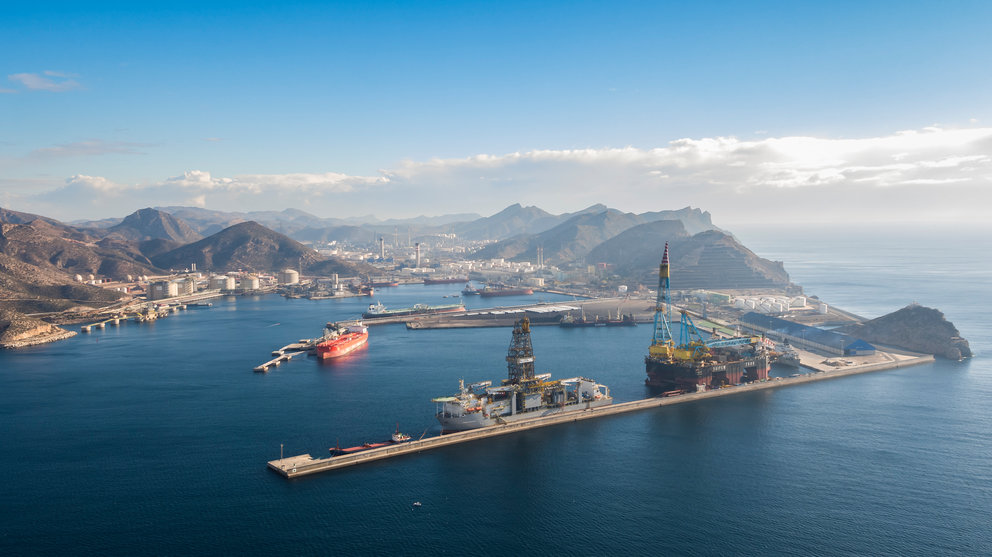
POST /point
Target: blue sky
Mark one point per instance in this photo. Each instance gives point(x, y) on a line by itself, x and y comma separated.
point(406, 108)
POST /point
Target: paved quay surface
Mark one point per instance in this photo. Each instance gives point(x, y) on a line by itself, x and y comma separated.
point(305, 464)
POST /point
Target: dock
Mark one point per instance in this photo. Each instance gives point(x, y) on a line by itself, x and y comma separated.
point(305, 464)
point(286, 353)
point(540, 313)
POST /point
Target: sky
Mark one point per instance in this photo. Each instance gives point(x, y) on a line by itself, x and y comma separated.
point(757, 112)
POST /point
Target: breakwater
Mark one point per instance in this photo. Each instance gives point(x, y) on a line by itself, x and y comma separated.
point(305, 464)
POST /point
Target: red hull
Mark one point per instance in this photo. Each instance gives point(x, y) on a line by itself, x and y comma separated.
point(341, 346)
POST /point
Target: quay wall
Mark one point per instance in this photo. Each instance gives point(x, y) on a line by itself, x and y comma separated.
point(303, 465)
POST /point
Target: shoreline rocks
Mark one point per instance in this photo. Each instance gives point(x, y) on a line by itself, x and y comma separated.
point(18, 330)
point(917, 328)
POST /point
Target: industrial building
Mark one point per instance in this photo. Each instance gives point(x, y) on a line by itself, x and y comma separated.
point(162, 289)
point(804, 336)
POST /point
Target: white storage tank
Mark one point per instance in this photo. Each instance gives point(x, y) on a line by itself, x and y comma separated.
point(822, 309)
point(622, 289)
point(289, 276)
point(249, 283)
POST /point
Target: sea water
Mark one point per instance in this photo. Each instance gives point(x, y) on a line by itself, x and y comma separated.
point(153, 439)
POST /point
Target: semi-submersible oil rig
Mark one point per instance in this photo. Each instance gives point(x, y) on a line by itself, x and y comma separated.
point(695, 364)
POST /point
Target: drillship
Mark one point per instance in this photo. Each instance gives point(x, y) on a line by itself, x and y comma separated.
point(522, 395)
point(696, 364)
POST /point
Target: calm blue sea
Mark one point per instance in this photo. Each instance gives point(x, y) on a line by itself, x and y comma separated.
point(153, 439)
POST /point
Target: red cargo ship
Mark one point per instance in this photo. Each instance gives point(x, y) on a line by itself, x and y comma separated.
point(339, 340)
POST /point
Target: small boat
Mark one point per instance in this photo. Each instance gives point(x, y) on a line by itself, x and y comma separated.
point(417, 504)
point(398, 437)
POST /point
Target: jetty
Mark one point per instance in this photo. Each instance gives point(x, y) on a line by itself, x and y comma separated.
point(287, 353)
point(305, 464)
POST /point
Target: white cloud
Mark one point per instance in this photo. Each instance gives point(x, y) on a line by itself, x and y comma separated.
point(313, 184)
point(46, 81)
point(907, 175)
point(98, 184)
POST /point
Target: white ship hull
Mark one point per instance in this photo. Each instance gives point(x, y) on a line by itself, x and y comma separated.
point(474, 420)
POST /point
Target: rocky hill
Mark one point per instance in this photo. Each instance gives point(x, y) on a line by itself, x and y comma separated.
point(250, 246)
point(32, 289)
point(571, 241)
point(515, 219)
point(17, 217)
point(17, 330)
point(709, 259)
point(916, 328)
point(151, 224)
point(55, 246)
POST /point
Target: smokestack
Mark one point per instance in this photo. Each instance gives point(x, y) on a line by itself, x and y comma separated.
point(382, 248)
point(418, 254)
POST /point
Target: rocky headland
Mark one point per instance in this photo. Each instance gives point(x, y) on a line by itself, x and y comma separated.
point(17, 330)
point(917, 328)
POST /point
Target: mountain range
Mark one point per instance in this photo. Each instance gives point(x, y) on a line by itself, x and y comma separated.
point(39, 256)
point(515, 220)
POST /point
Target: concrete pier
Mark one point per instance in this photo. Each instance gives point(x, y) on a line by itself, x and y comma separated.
point(304, 464)
point(282, 355)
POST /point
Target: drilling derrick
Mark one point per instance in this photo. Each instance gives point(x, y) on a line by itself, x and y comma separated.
point(696, 364)
point(520, 356)
point(662, 344)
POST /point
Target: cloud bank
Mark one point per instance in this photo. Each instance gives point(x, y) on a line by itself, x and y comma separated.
point(929, 174)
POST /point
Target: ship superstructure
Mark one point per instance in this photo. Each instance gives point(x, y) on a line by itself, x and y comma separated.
point(695, 364)
point(523, 394)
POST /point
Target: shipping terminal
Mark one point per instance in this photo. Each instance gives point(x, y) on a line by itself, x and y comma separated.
point(692, 369)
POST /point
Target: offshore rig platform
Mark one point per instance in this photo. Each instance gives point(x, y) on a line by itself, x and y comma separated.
point(695, 364)
point(522, 395)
